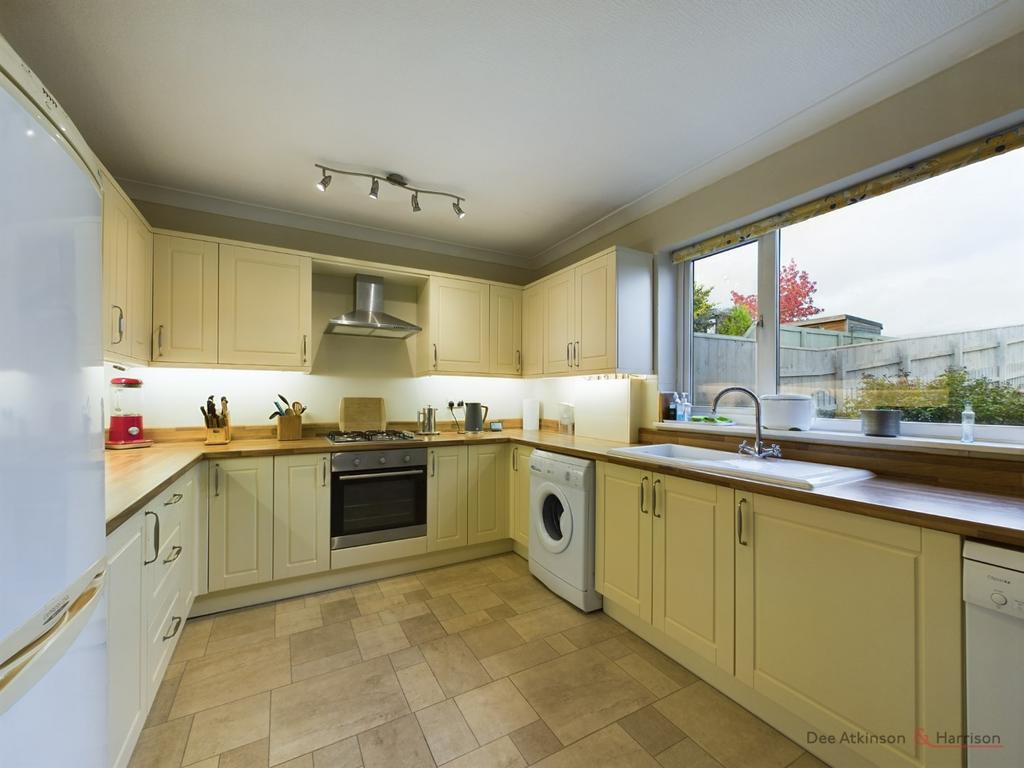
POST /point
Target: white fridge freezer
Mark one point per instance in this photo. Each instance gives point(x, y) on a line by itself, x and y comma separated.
point(53, 661)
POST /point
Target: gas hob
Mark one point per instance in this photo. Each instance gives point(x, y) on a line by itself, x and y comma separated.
point(372, 436)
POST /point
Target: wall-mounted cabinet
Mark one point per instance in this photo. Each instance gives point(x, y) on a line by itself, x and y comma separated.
point(534, 321)
point(506, 329)
point(127, 279)
point(185, 275)
point(455, 316)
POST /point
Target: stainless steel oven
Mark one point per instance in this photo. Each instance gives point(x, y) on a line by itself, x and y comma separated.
point(378, 495)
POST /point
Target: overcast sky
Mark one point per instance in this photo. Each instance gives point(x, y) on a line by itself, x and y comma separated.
point(946, 254)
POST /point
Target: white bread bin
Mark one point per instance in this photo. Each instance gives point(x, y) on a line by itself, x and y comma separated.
point(789, 412)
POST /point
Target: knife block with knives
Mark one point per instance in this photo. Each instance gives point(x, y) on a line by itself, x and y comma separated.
point(218, 425)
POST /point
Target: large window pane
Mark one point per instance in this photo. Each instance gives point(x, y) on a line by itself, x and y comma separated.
point(911, 300)
point(724, 308)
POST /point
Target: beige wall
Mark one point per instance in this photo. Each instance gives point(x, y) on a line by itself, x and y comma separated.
point(978, 90)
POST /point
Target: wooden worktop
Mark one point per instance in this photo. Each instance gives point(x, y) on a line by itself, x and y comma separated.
point(135, 476)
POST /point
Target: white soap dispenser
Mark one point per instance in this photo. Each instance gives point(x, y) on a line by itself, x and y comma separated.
point(967, 424)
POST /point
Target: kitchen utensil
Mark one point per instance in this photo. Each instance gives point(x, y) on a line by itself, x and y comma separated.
point(880, 422)
point(126, 416)
point(791, 412)
point(206, 417)
point(280, 409)
point(282, 398)
point(476, 415)
point(426, 420)
point(362, 414)
point(298, 408)
point(274, 415)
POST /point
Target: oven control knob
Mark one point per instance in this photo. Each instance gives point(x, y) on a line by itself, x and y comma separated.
point(383, 460)
point(407, 458)
point(356, 462)
point(999, 598)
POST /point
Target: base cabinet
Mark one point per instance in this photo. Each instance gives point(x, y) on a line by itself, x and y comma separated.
point(519, 494)
point(302, 515)
point(241, 522)
point(447, 498)
point(488, 493)
point(622, 564)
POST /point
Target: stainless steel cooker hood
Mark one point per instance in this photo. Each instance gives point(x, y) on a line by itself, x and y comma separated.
point(369, 317)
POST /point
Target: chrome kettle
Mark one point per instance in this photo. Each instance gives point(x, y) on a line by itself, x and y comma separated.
point(426, 420)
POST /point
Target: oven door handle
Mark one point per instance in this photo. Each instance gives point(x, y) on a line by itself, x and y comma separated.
point(370, 475)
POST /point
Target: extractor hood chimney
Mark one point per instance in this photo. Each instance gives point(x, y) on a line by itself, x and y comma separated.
point(369, 317)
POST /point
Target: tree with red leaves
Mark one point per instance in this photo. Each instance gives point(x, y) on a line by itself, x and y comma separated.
point(796, 295)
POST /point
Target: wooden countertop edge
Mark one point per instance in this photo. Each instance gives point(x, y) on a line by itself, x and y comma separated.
point(884, 498)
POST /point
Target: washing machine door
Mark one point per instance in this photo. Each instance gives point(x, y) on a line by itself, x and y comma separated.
point(552, 518)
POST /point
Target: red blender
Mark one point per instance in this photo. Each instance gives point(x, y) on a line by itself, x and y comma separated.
point(126, 417)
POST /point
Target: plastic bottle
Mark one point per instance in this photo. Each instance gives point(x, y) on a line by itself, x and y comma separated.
point(684, 408)
point(967, 424)
point(673, 408)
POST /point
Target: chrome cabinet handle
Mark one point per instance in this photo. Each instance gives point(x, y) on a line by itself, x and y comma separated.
point(433, 464)
point(519, 361)
point(371, 475)
point(654, 503)
point(435, 355)
point(304, 348)
point(174, 555)
point(568, 354)
point(216, 479)
point(160, 341)
point(120, 323)
point(643, 494)
point(176, 621)
point(175, 498)
point(739, 523)
point(515, 459)
point(323, 478)
point(576, 353)
point(156, 537)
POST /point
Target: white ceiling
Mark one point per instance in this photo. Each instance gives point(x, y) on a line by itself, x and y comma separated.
point(556, 119)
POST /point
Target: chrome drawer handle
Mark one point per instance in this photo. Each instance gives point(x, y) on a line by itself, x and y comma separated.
point(175, 498)
point(176, 621)
point(156, 538)
point(175, 554)
point(739, 523)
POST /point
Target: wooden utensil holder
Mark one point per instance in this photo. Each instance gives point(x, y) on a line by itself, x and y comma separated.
point(289, 427)
point(219, 435)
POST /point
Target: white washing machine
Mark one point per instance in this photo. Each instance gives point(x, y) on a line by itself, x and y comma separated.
point(562, 512)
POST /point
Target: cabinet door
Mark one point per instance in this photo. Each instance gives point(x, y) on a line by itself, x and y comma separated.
point(851, 621)
point(140, 289)
point(447, 498)
point(594, 320)
point(188, 486)
point(115, 272)
point(126, 675)
point(265, 308)
point(241, 522)
point(693, 566)
point(533, 331)
point(559, 295)
point(623, 567)
point(184, 300)
point(506, 328)
point(488, 493)
point(519, 515)
point(302, 515)
point(460, 316)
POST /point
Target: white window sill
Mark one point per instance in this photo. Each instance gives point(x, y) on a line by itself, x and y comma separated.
point(902, 443)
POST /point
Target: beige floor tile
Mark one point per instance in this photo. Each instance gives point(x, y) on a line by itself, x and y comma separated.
point(295, 604)
point(444, 608)
point(542, 622)
point(652, 730)
point(311, 714)
point(403, 612)
point(341, 754)
point(377, 603)
point(446, 732)
point(163, 701)
point(728, 732)
point(476, 599)
point(466, 621)
point(228, 726)
point(489, 639)
point(417, 596)
point(298, 621)
point(215, 680)
point(519, 658)
point(194, 638)
point(400, 585)
point(210, 762)
point(367, 589)
point(524, 594)
point(174, 670)
point(502, 572)
point(647, 675)
point(304, 761)
point(162, 746)
point(455, 578)
point(613, 649)
point(320, 642)
point(454, 665)
point(597, 630)
point(422, 629)
point(535, 741)
point(611, 747)
point(254, 755)
point(502, 611)
point(381, 641)
point(498, 754)
point(236, 643)
point(580, 693)
point(407, 657)
point(331, 663)
point(420, 686)
point(242, 622)
point(363, 623)
point(686, 754)
point(561, 644)
point(339, 610)
point(331, 595)
point(495, 710)
point(398, 744)
point(807, 760)
point(657, 659)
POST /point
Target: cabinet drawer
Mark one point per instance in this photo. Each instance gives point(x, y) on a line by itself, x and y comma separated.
point(165, 626)
point(164, 568)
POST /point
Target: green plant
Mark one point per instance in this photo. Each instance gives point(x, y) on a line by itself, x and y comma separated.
point(703, 309)
point(735, 322)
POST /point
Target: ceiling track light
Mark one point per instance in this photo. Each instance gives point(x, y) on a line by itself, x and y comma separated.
point(396, 180)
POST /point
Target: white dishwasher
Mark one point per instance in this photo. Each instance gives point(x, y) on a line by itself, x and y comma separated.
point(994, 597)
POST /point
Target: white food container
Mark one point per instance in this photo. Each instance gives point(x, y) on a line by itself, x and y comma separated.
point(789, 412)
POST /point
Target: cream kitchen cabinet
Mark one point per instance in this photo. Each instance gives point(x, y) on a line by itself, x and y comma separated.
point(241, 522)
point(599, 315)
point(302, 514)
point(506, 329)
point(623, 566)
point(447, 497)
point(488, 492)
point(264, 308)
point(519, 494)
point(127, 279)
point(534, 342)
point(455, 315)
point(185, 277)
point(848, 620)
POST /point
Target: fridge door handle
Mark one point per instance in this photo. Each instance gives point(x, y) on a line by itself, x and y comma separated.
point(26, 667)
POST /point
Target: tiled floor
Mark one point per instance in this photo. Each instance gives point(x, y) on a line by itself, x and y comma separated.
point(473, 665)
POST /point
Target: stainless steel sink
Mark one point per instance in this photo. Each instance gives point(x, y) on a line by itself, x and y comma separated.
point(784, 472)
